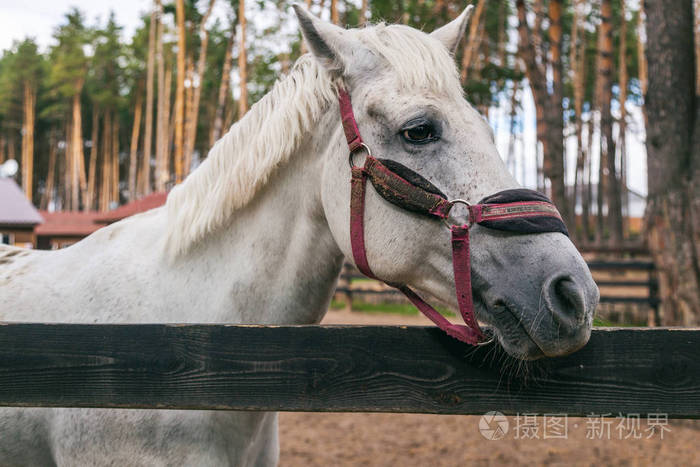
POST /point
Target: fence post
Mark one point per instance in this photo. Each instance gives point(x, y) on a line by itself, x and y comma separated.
point(655, 318)
point(345, 285)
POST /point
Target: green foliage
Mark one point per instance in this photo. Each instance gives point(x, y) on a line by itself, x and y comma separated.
point(68, 60)
point(21, 64)
point(109, 70)
point(106, 75)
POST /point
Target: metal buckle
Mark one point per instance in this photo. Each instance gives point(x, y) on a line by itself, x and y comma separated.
point(352, 153)
point(469, 214)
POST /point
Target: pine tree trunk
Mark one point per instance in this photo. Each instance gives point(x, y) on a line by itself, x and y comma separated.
point(133, 150)
point(67, 167)
point(223, 88)
point(191, 135)
point(510, 158)
point(77, 152)
point(471, 46)
point(606, 124)
point(2, 147)
point(642, 62)
point(595, 120)
point(587, 194)
point(363, 12)
point(187, 159)
point(145, 185)
point(106, 161)
point(528, 49)
point(161, 119)
point(622, 137)
point(673, 159)
point(169, 145)
point(28, 140)
point(242, 62)
point(47, 198)
point(166, 175)
point(180, 92)
point(335, 17)
point(114, 195)
point(553, 155)
point(90, 197)
point(577, 60)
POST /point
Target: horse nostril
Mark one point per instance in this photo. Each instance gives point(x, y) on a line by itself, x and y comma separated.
point(566, 300)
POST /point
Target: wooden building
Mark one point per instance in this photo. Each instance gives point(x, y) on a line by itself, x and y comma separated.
point(18, 216)
point(152, 201)
point(64, 228)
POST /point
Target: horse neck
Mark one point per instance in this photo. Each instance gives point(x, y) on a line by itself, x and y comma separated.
point(277, 256)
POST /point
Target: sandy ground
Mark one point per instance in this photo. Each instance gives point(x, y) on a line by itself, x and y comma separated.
point(342, 439)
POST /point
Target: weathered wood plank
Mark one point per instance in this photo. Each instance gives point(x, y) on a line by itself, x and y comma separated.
point(337, 368)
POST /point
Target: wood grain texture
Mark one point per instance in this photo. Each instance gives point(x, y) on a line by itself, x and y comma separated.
point(340, 369)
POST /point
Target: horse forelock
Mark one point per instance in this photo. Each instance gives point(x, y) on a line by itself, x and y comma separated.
point(415, 59)
point(241, 162)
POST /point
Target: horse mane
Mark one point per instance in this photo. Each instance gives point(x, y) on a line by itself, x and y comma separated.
point(241, 162)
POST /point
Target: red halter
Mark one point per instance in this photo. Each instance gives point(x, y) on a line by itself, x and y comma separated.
point(413, 193)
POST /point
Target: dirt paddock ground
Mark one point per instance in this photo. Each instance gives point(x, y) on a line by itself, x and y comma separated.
point(348, 439)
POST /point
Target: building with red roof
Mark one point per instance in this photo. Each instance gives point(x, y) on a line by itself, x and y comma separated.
point(23, 225)
point(152, 201)
point(18, 216)
point(63, 228)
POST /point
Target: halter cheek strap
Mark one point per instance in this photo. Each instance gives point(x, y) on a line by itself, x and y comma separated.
point(471, 333)
point(423, 198)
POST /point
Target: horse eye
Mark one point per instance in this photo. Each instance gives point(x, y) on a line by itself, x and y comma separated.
point(419, 134)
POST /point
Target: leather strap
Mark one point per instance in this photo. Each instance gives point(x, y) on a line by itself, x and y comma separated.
point(471, 333)
point(358, 185)
point(417, 200)
point(409, 196)
point(461, 266)
point(352, 133)
point(401, 192)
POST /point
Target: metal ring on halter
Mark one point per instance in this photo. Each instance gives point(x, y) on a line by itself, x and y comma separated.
point(352, 153)
point(458, 201)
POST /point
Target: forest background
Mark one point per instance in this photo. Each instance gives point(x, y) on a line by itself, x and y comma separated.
point(98, 115)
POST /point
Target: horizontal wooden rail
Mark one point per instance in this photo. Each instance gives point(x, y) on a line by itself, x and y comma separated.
point(618, 251)
point(623, 283)
point(621, 265)
point(340, 368)
point(651, 301)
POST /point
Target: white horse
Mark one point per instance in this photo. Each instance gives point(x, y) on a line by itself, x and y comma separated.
point(258, 233)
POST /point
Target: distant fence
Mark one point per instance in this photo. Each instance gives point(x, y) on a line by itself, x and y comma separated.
point(650, 283)
point(341, 368)
point(611, 288)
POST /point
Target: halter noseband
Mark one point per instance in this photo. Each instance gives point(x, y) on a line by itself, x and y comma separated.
point(520, 210)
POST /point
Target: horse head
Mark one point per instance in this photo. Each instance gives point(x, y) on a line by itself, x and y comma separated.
point(534, 288)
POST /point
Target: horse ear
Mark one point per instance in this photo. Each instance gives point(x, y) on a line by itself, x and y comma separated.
point(327, 42)
point(451, 33)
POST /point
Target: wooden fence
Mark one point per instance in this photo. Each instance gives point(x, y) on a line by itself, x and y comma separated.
point(613, 290)
point(341, 368)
